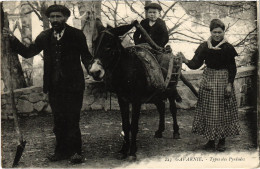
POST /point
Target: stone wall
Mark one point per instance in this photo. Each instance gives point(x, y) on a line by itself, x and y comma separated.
point(32, 101)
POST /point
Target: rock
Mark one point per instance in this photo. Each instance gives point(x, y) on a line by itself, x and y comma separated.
point(24, 97)
point(18, 92)
point(186, 104)
point(39, 106)
point(98, 104)
point(143, 107)
point(24, 106)
point(150, 107)
point(10, 117)
point(3, 102)
point(27, 90)
point(37, 89)
point(3, 96)
point(4, 116)
point(47, 109)
point(86, 107)
point(5, 109)
point(33, 114)
point(89, 99)
point(35, 97)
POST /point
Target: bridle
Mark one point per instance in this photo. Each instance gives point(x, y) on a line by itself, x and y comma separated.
point(112, 70)
point(97, 50)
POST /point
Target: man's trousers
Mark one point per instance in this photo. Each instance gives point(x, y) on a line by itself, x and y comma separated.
point(66, 108)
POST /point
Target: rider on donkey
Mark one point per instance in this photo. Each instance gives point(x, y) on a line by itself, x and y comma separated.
point(157, 30)
point(154, 26)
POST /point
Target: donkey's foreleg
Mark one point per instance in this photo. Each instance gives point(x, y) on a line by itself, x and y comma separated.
point(161, 109)
point(134, 129)
point(124, 108)
point(173, 109)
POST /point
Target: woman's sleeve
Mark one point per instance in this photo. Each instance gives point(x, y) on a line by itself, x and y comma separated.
point(232, 69)
point(198, 59)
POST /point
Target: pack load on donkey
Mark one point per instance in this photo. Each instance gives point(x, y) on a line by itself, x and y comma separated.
point(161, 66)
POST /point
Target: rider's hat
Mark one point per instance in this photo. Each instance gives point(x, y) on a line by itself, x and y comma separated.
point(153, 6)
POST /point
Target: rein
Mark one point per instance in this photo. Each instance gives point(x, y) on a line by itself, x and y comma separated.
point(106, 78)
point(97, 49)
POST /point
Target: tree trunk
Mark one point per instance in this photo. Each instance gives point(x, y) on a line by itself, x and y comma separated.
point(45, 19)
point(26, 34)
point(8, 56)
point(92, 10)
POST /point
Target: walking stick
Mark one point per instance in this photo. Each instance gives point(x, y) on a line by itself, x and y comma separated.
point(21, 142)
point(187, 83)
point(147, 37)
point(155, 46)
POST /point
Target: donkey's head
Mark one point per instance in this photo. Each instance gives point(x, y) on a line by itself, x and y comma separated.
point(107, 49)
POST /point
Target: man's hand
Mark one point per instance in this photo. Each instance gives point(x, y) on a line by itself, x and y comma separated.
point(228, 90)
point(8, 33)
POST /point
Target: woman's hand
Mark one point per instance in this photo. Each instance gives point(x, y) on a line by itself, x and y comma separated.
point(228, 90)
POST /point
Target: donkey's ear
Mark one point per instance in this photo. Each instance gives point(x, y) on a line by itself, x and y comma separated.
point(109, 26)
point(98, 27)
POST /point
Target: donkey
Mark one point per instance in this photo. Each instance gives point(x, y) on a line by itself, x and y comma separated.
point(124, 75)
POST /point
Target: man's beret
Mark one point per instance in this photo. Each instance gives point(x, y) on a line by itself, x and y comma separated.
point(153, 6)
point(57, 8)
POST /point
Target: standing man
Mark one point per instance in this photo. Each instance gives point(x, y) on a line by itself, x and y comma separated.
point(63, 48)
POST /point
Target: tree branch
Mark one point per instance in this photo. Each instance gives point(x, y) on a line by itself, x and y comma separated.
point(195, 34)
point(184, 40)
point(34, 10)
point(187, 36)
point(244, 39)
point(165, 13)
point(133, 10)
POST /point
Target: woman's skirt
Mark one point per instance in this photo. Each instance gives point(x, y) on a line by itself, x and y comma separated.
point(216, 115)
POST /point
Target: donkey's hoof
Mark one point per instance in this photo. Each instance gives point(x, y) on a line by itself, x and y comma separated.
point(158, 134)
point(132, 158)
point(176, 136)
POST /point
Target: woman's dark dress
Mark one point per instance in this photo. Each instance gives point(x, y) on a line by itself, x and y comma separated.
point(216, 115)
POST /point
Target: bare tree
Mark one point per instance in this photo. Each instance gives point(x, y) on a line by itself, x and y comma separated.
point(26, 33)
point(9, 60)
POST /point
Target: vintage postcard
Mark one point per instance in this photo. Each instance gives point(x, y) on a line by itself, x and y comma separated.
point(130, 84)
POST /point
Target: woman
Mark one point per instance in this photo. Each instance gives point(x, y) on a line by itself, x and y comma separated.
point(216, 111)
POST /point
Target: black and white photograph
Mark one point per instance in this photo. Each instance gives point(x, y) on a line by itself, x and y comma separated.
point(130, 84)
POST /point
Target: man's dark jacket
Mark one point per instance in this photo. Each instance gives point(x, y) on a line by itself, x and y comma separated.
point(73, 49)
point(158, 32)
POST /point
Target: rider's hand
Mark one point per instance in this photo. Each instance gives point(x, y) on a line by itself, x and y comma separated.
point(134, 22)
point(168, 49)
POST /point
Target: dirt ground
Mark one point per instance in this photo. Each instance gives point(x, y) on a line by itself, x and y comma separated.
point(101, 139)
